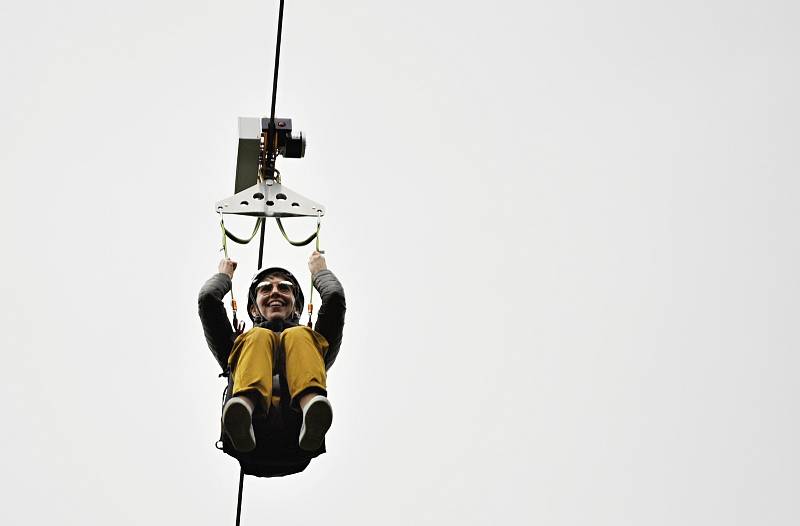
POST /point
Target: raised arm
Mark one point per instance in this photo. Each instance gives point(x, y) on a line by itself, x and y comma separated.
point(330, 319)
point(216, 326)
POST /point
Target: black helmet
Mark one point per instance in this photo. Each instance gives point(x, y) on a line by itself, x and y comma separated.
point(298, 293)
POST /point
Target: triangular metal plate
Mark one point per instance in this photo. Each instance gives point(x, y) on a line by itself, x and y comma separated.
point(270, 199)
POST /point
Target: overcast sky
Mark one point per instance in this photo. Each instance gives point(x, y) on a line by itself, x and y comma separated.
point(567, 232)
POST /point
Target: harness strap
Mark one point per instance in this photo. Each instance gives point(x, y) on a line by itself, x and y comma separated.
point(302, 243)
point(226, 234)
point(283, 383)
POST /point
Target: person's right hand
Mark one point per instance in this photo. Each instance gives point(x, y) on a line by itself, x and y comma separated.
point(227, 266)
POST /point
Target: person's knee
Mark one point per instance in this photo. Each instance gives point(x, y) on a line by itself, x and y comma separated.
point(258, 333)
point(295, 333)
point(298, 339)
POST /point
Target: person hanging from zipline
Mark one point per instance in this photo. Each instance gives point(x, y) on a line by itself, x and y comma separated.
point(276, 343)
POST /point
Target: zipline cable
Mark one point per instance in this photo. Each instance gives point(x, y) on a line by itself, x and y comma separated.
point(271, 128)
point(261, 243)
point(270, 145)
point(239, 499)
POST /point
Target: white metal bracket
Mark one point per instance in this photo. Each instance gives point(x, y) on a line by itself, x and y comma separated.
point(270, 199)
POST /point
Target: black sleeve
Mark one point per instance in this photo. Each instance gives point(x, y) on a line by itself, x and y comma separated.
point(330, 319)
point(216, 326)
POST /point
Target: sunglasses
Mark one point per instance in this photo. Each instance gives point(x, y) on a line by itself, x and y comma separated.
point(266, 287)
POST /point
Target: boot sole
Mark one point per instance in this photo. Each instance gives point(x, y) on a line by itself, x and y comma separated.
point(316, 422)
point(238, 425)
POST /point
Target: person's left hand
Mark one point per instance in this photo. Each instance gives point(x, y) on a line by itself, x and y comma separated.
point(316, 263)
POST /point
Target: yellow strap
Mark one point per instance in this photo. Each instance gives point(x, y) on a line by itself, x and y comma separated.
point(224, 234)
point(311, 293)
point(225, 251)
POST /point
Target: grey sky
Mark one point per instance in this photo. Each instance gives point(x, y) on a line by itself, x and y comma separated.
point(567, 232)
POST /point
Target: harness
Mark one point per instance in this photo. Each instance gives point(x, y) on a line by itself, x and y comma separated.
point(277, 453)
